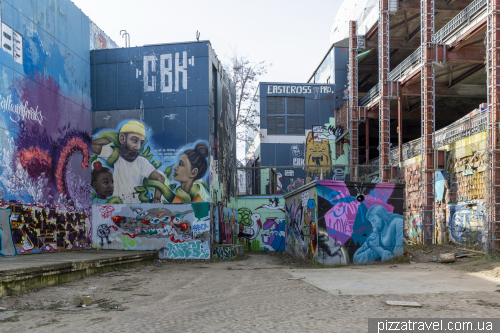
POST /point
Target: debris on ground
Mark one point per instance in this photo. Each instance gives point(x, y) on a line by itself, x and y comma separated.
point(447, 257)
point(83, 300)
point(404, 303)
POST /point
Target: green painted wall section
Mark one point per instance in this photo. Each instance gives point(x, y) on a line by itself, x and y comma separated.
point(262, 223)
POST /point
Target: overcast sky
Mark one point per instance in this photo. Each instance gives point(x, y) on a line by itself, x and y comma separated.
point(293, 35)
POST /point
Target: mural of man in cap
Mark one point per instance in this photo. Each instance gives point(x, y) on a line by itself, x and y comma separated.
point(129, 168)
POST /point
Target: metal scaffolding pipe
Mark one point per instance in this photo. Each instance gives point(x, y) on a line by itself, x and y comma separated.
point(353, 93)
point(493, 77)
point(385, 85)
point(428, 125)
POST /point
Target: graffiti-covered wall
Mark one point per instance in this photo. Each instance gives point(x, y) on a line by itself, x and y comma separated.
point(46, 125)
point(336, 222)
point(178, 231)
point(460, 192)
point(163, 132)
point(261, 223)
point(301, 223)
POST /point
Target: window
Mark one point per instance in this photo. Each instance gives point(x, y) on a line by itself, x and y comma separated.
point(285, 115)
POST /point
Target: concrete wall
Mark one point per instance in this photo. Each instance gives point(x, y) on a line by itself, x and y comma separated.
point(262, 223)
point(336, 222)
point(46, 125)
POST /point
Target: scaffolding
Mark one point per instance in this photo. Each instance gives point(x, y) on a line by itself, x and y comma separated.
point(428, 124)
point(384, 84)
point(493, 126)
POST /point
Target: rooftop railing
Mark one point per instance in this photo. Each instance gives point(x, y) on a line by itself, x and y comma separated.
point(471, 124)
point(463, 19)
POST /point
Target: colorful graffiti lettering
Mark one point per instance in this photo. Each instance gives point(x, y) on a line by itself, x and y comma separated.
point(152, 226)
point(43, 230)
point(224, 252)
point(185, 250)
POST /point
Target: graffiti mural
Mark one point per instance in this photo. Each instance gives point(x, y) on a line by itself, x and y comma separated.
point(37, 229)
point(171, 229)
point(227, 221)
point(225, 252)
point(300, 223)
point(261, 224)
point(346, 222)
point(129, 167)
point(317, 153)
point(46, 127)
point(466, 224)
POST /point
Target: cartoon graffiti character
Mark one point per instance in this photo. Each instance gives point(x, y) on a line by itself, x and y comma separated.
point(386, 240)
point(129, 168)
point(317, 153)
point(102, 182)
point(252, 231)
point(273, 235)
point(191, 167)
point(273, 205)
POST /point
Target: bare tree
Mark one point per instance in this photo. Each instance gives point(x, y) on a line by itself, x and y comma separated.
point(245, 74)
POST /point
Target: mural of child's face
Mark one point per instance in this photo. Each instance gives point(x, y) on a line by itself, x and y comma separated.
point(104, 185)
point(183, 171)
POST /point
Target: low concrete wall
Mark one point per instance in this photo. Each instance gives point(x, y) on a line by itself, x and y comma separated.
point(16, 281)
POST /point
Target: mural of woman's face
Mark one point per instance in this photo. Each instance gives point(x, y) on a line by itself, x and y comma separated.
point(183, 172)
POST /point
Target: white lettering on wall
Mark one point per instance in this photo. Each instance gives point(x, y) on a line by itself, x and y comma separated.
point(275, 89)
point(20, 111)
point(169, 75)
point(181, 69)
point(166, 73)
point(149, 59)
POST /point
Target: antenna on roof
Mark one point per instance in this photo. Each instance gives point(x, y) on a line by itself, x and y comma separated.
point(125, 35)
point(197, 35)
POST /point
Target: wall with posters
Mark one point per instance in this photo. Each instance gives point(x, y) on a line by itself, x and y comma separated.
point(46, 126)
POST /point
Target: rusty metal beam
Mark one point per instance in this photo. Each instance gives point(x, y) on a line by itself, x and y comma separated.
point(442, 90)
point(467, 74)
point(462, 41)
point(405, 21)
point(396, 43)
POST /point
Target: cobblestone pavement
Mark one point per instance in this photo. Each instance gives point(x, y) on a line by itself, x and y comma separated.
point(255, 295)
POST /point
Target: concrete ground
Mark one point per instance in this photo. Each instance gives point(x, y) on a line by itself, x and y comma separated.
point(258, 294)
point(27, 261)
